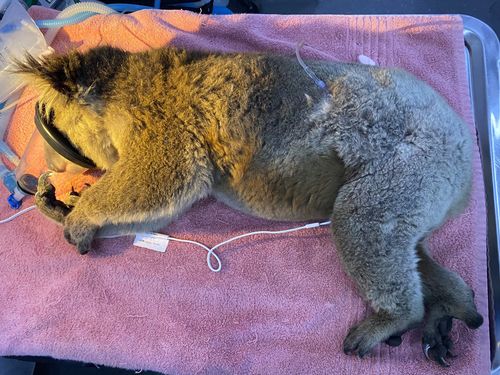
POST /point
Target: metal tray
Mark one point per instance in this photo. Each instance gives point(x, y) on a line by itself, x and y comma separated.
point(482, 55)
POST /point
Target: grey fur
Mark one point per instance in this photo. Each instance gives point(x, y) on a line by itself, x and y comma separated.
point(379, 151)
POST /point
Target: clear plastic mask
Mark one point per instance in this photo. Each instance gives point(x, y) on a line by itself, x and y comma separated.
point(48, 150)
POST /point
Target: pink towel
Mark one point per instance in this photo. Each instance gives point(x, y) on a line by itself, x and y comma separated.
point(282, 304)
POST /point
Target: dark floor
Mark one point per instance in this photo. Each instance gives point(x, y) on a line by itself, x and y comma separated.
point(486, 10)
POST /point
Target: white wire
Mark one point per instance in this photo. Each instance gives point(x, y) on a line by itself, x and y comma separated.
point(10, 218)
point(210, 251)
point(307, 226)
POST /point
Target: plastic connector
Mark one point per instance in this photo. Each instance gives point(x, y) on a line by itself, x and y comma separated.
point(312, 225)
point(13, 202)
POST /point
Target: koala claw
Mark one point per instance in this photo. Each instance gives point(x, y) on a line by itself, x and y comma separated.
point(436, 343)
point(425, 348)
point(440, 360)
point(82, 249)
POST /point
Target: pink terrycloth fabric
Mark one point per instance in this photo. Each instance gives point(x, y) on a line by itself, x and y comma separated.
point(282, 304)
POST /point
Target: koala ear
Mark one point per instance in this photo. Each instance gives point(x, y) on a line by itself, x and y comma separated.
point(85, 78)
point(53, 73)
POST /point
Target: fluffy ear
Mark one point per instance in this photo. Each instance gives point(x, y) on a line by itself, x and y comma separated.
point(52, 73)
point(83, 77)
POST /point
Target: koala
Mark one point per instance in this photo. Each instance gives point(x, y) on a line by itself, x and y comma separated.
point(377, 150)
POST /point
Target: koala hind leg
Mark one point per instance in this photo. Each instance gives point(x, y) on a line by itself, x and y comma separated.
point(377, 247)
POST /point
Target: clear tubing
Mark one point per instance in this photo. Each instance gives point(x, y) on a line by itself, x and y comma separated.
point(58, 23)
point(8, 178)
point(9, 154)
point(96, 8)
point(308, 70)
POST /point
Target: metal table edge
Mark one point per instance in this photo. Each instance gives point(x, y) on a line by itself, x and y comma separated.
point(482, 50)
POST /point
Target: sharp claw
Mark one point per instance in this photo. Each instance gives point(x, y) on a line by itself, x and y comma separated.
point(442, 362)
point(350, 351)
point(74, 192)
point(425, 348)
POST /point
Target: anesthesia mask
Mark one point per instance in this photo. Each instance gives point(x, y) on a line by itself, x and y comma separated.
point(47, 150)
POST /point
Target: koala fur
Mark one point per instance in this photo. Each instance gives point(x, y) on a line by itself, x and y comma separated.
point(378, 151)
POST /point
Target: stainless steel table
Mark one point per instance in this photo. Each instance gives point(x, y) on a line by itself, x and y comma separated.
point(483, 64)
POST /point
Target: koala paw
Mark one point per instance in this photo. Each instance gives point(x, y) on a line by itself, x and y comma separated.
point(79, 231)
point(441, 309)
point(46, 202)
point(436, 341)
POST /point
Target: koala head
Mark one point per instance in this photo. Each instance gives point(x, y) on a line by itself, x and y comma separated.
point(74, 89)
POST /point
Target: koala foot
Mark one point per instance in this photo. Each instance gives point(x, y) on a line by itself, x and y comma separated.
point(436, 341)
point(363, 337)
point(446, 297)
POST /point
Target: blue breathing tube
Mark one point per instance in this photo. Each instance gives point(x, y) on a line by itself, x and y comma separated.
point(49, 24)
point(128, 7)
point(82, 16)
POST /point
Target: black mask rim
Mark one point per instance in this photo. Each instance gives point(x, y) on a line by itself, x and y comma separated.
point(58, 141)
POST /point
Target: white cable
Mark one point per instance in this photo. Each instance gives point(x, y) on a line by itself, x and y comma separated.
point(10, 218)
point(210, 251)
point(308, 226)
